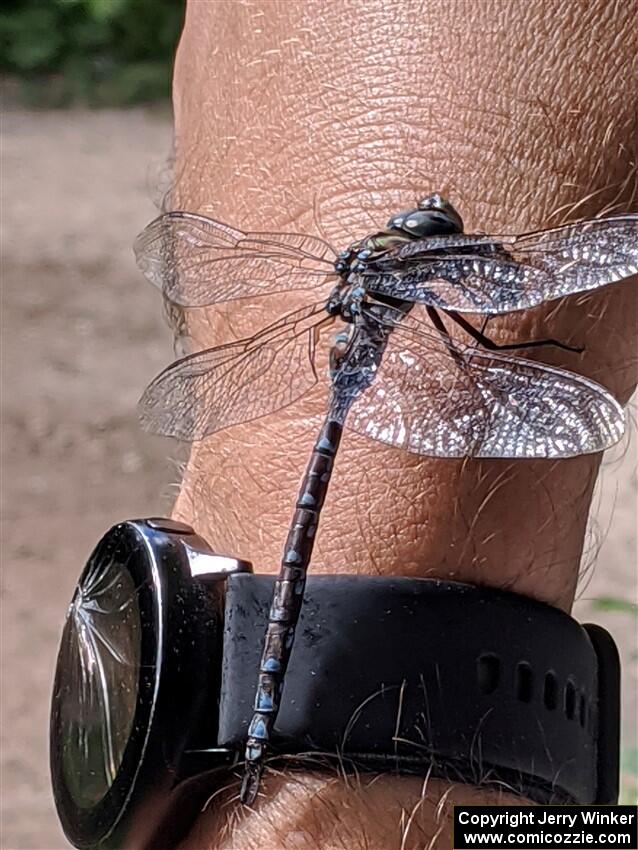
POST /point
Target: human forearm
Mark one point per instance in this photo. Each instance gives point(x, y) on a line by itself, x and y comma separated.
point(351, 111)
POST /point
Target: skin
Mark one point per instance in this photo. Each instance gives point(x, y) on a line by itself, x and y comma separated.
point(300, 115)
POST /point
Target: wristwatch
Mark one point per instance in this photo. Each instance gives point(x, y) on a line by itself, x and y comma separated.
point(160, 654)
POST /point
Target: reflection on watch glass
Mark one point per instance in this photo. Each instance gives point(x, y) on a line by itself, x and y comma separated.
point(98, 678)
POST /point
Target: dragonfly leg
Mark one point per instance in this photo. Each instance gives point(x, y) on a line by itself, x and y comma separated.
point(490, 345)
point(440, 327)
point(335, 299)
point(250, 782)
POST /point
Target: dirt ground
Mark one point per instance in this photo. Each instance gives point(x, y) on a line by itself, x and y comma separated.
point(82, 334)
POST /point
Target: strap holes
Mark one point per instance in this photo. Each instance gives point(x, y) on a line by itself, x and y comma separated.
point(524, 685)
point(488, 672)
point(550, 691)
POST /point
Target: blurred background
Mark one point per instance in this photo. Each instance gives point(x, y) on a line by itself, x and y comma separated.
point(86, 141)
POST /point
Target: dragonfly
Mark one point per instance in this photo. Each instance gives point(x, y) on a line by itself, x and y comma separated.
point(394, 375)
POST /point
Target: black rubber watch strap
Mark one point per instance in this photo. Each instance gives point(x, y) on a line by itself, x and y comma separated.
point(418, 675)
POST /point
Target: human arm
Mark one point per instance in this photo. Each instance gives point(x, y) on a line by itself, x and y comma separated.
point(344, 112)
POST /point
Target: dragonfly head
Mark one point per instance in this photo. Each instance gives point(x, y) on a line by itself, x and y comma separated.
point(434, 216)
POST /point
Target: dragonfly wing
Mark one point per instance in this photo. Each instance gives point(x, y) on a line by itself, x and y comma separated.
point(467, 284)
point(197, 261)
point(473, 403)
point(521, 272)
point(453, 243)
point(214, 389)
point(583, 256)
point(301, 243)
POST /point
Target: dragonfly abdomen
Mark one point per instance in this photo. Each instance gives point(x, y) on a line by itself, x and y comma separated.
point(287, 599)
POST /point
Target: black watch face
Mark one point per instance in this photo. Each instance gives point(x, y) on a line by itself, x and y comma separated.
point(106, 684)
point(100, 658)
point(136, 688)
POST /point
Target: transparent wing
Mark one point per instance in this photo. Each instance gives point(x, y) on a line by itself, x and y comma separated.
point(234, 383)
point(582, 256)
point(429, 401)
point(196, 261)
point(513, 273)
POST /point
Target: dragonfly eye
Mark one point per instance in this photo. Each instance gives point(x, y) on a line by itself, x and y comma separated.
point(435, 221)
point(437, 203)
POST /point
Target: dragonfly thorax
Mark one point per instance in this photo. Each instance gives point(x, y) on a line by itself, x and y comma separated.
point(367, 250)
point(347, 296)
point(434, 216)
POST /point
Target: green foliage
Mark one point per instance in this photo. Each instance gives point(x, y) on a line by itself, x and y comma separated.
point(95, 52)
point(613, 603)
